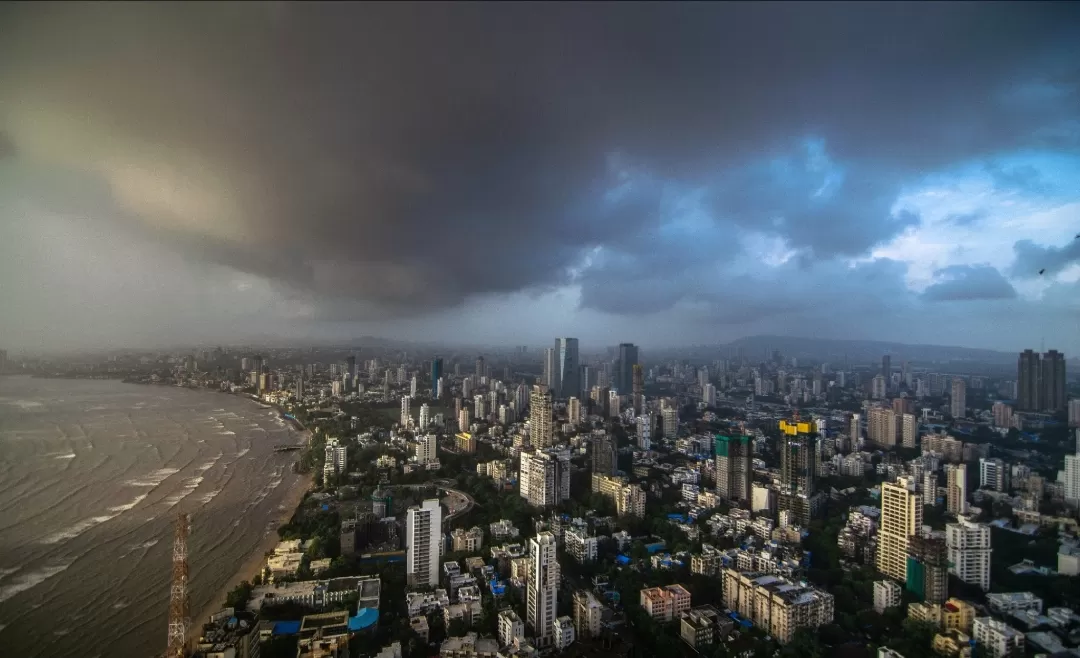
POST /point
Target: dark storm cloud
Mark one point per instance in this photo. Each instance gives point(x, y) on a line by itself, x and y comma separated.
point(1034, 260)
point(408, 157)
point(969, 283)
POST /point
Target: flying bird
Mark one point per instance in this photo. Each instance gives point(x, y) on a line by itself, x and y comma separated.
point(1042, 271)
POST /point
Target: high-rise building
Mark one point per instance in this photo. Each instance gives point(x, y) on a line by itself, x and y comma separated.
point(573, 410)
point(669, 416)
point(909, 430)
point(855, 430)
point(604, 456)
point(567, 368)
point(878, 388)
point(1002, 414)
point(734, 464)
point(542, 587)
point(639, 388)
point(423, 543)
point(544, 478)
point(1053, 395)
point(993, 474)
point(1028, 381)
point(425, 416)
point(956, 489)
point(436, 375)
point(628, 356)
point(548, 378)
point(958, 399)
point(928, 568)
point(886, 368)
point(798, 471)
point(541, 424)
point(708, 395)
point(881, 427)
point(405, 415)
point(1071, 474)
point(1074, 412)
point(481, 370)
point(969, 551)
point(901, 518)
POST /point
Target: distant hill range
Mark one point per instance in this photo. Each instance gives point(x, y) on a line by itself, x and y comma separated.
point(865, 351)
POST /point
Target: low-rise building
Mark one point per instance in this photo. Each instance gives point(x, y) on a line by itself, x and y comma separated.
point(588, 614)
point(703, 626)
point(953, 644)
point(562, 632)
point(469, 541)
point(229, 633)
point(579, 544)
point(1007, 603)
point(887, 594)
point(775, 604)
point(511, 628)
point(996, 638)
point(665, 603)
point(324, 635)
point(469, 646)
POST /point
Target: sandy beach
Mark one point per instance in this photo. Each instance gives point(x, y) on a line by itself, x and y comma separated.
point(254, 562)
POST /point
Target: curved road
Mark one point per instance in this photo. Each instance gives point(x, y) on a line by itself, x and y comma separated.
point(441, 485)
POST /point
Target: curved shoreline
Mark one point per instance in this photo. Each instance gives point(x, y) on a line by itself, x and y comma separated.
point(254, 562)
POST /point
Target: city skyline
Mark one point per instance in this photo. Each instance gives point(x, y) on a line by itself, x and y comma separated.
point(855, 188)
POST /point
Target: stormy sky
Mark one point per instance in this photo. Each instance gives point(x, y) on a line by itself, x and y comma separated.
point(666, 174)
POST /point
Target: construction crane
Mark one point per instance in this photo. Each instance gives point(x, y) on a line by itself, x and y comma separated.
point(179, 615)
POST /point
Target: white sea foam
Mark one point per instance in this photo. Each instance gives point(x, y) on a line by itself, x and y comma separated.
point(190, 485)
point(25, 404)
point(153, 479)
point(243, 452)
point(4, 573)
point(70, 455)
point(120, 605)
point(29, 580)
point(131, 505)
point(206, 498)
point(227, 433)
point(74, 531)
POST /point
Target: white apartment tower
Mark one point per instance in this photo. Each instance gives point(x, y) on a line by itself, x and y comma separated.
point(969, 551)
point(423, 538)
point(1071, 475)
point(901, 517)
point(427, 448)
point(544, 479)
point(543, 584)
point(405, 415)
point(425, 416)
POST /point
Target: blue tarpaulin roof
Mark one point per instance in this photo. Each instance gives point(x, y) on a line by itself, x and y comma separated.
point(622, 559)
point(286, 628)
point(365, 618)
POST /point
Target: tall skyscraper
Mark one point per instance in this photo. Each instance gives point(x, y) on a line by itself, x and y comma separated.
point(604, 457)
point(405, 411)
point(928, 568)
point(436, 374)
point(567, 368)
point(901, 517)
point(544, 478)
point(628, 356)
point(481, 370)
point(542, 587)
point(1053, 394)
point(958, 399)
point(886, 368)
point(909, 430)
point(541, 424)
point(734, 463)
point(423, 543)
point(969, 551)
point(1028, 368)
point(639, 388)
point(881, 427)
point(548, 379)
point(993, 474)
point(350, 367)
point(573, 410)
point(956, 489)
point(798, 471)
point(1071, 474)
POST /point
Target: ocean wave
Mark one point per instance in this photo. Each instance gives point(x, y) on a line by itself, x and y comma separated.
point(29, 580)
point(25, 404)
point(70, 455)
point(227, 433)
point(243, 452)
point(74, 531)
point(206, 498)
point(131, 505)
point(4, 573)
point(153, 479)
point(190, 485)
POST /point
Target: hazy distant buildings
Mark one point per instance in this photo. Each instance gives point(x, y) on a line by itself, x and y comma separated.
point(958, 399)
point(436, 375)
point(1041, 381)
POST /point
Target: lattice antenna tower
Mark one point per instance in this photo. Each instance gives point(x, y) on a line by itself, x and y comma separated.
point(179, 614)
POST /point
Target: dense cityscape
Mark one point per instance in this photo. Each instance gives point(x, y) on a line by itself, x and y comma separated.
point(532, 501)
